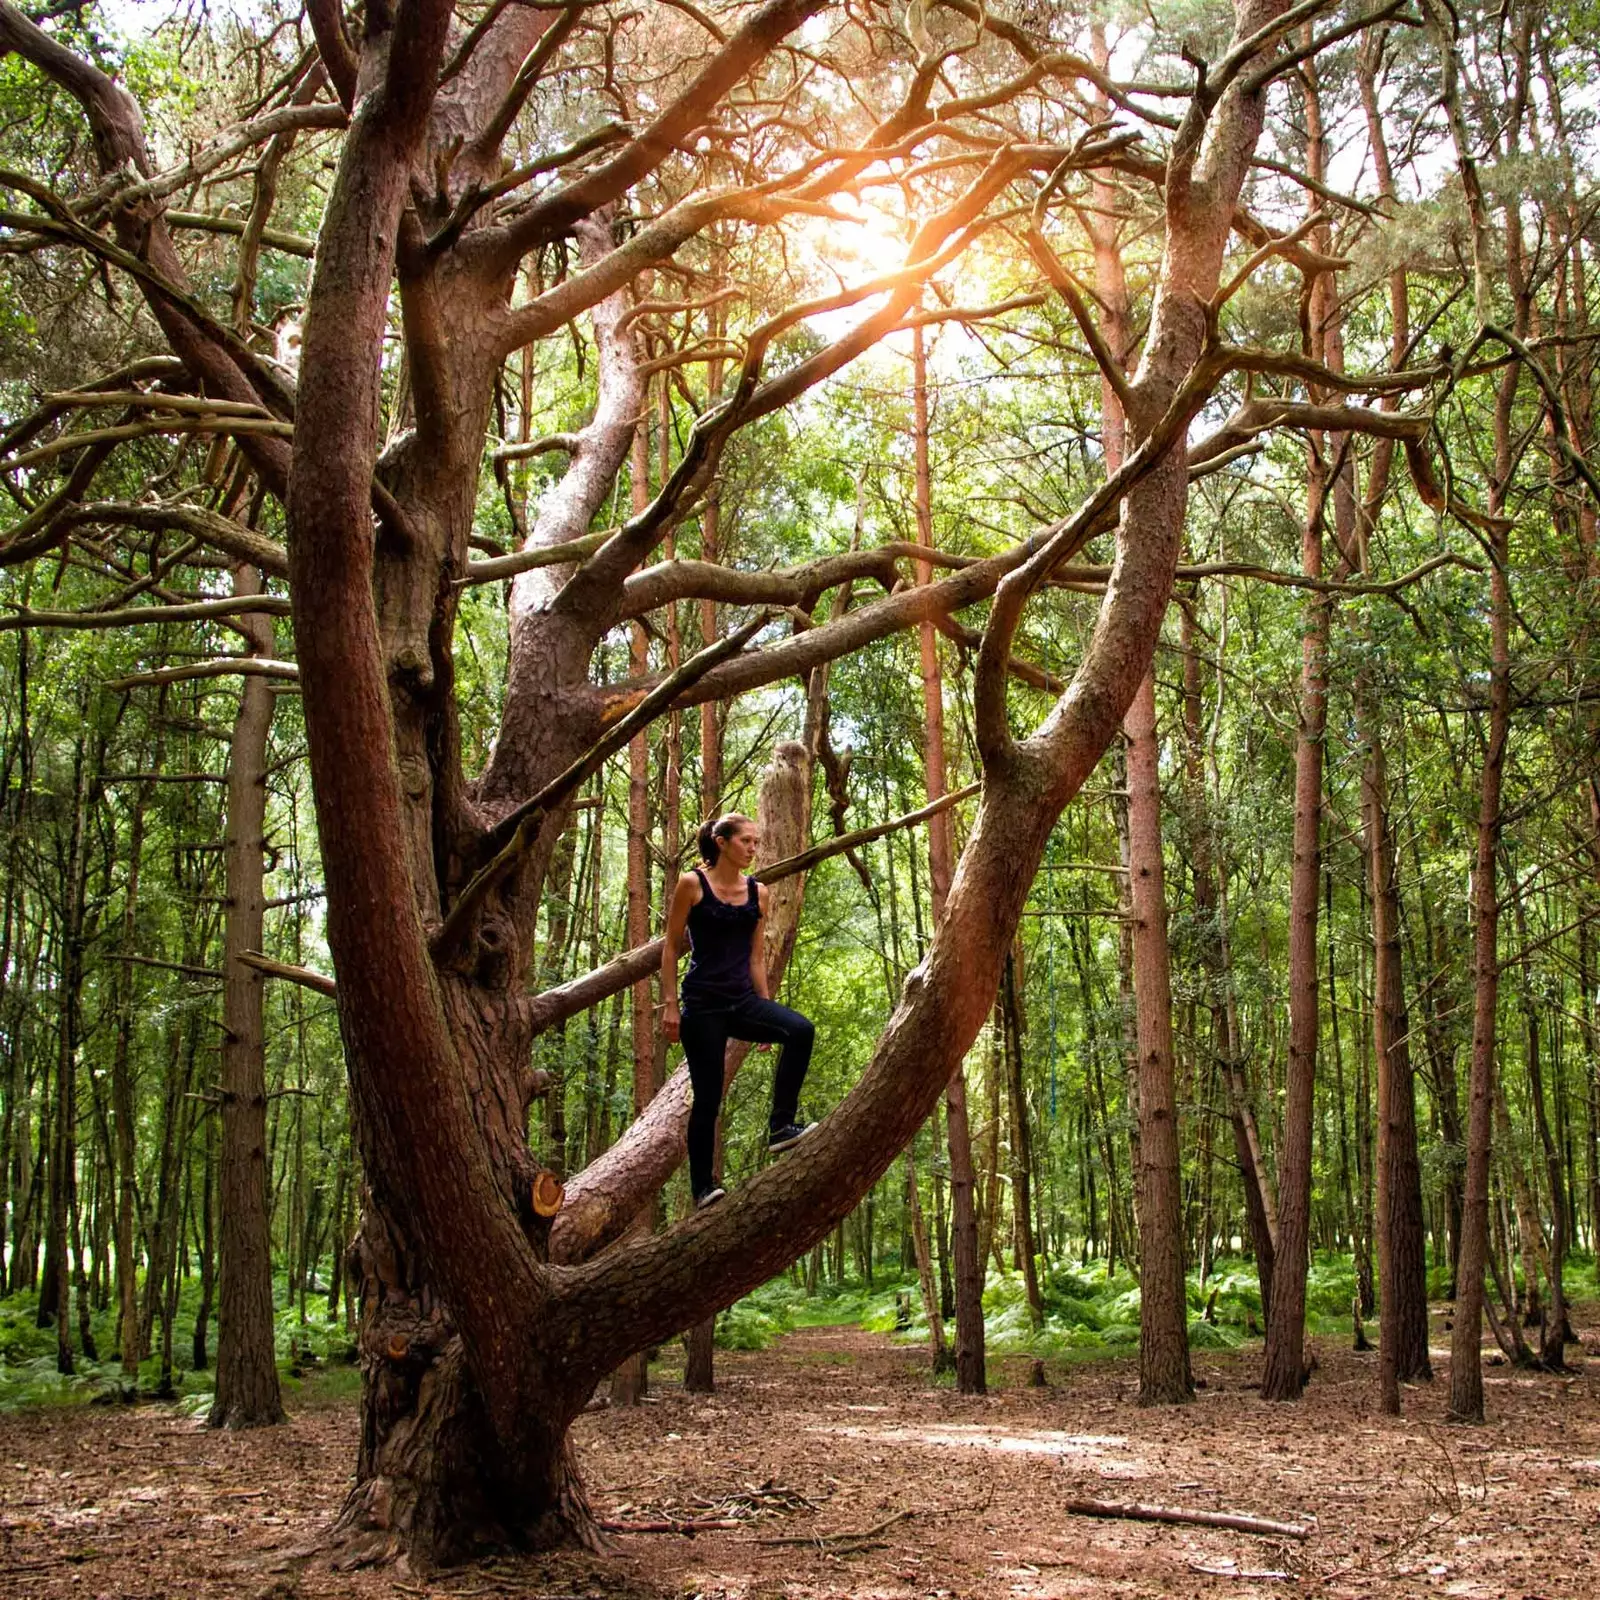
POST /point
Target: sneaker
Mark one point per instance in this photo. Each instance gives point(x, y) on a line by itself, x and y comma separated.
point(709, 1198)
point(791, 1133)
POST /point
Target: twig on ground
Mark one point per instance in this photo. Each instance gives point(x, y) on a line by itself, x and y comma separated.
point(845, 1538)
point(688, 1528)
point(1204, 1519)
point(1230, 1570)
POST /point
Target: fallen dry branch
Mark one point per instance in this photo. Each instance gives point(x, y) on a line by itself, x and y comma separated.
point(688, 1528)
point(1255, 1574)
point(840, 1541)
point(1134, 1512)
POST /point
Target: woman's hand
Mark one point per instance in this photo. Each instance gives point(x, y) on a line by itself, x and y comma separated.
point(669, 1023)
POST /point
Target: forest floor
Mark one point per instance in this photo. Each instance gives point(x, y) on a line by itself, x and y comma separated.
point(839, 1468)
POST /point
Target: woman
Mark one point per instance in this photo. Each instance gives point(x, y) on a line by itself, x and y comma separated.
point(725, 997)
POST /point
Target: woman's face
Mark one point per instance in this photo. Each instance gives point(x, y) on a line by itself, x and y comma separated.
point(743, 845)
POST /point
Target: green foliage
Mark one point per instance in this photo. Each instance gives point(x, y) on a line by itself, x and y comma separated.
point(315, 1357)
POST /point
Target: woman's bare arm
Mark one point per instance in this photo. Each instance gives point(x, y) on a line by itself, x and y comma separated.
point(758, 946)
point(684, 898)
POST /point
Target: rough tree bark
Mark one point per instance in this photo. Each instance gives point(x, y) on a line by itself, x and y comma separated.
point(247, 1393)
point(1328, 469)
point(1466, 1353)
point(1164, 1372)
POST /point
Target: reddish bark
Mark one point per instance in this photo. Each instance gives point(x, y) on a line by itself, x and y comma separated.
point(968, 1265)
point(247, 1392)
point(1283, 1367)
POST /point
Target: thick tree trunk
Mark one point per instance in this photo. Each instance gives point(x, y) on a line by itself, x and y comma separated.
point(247, 1393)
point(475, 1376)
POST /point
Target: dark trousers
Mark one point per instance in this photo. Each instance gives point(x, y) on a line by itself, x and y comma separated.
point(705, 1035)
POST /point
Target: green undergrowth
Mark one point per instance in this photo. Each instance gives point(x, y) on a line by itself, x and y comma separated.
point(1087, 1311)
point(314, 1357)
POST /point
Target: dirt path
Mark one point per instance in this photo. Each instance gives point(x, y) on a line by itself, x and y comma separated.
point(883, 1484)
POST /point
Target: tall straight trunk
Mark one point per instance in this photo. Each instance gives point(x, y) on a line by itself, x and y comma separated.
point(1466, 1343)
point(967, 1262)
point(1021, 1145)
point(631, 1380)
point(247, 1393)
point(64, 1148)
point(1466, 1377)
point(122, 1106)
point(1328, 478)
point(1402, 1249)
point(1283, 1369)
point(924, 1259)
point(1552, 1352)
point(1164, 1374)
point(1591, 1074)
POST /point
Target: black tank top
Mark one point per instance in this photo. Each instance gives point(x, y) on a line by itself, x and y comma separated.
point(720, 935)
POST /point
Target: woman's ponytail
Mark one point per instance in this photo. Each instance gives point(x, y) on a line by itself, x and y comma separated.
point(712, 834)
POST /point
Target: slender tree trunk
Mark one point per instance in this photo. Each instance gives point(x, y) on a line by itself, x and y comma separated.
point(1591, 1072)
point(122, 1108)
point(1328, 470)
point(1021, 1145)
point(247, 1393)
point(63, 1174)
point(631, 1381)
point(202, 1316)
point(968, 1262)
point(991, 1158)
point(1402, 1251)
point(923, 1257)
point(1164, 1373)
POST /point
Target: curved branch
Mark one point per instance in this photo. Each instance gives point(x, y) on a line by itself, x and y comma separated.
point(222, 667)
point(551, 216)
point(334, 46)
point(790, 586)
point(210, 527)
point(515, 835)
point(135, 616)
